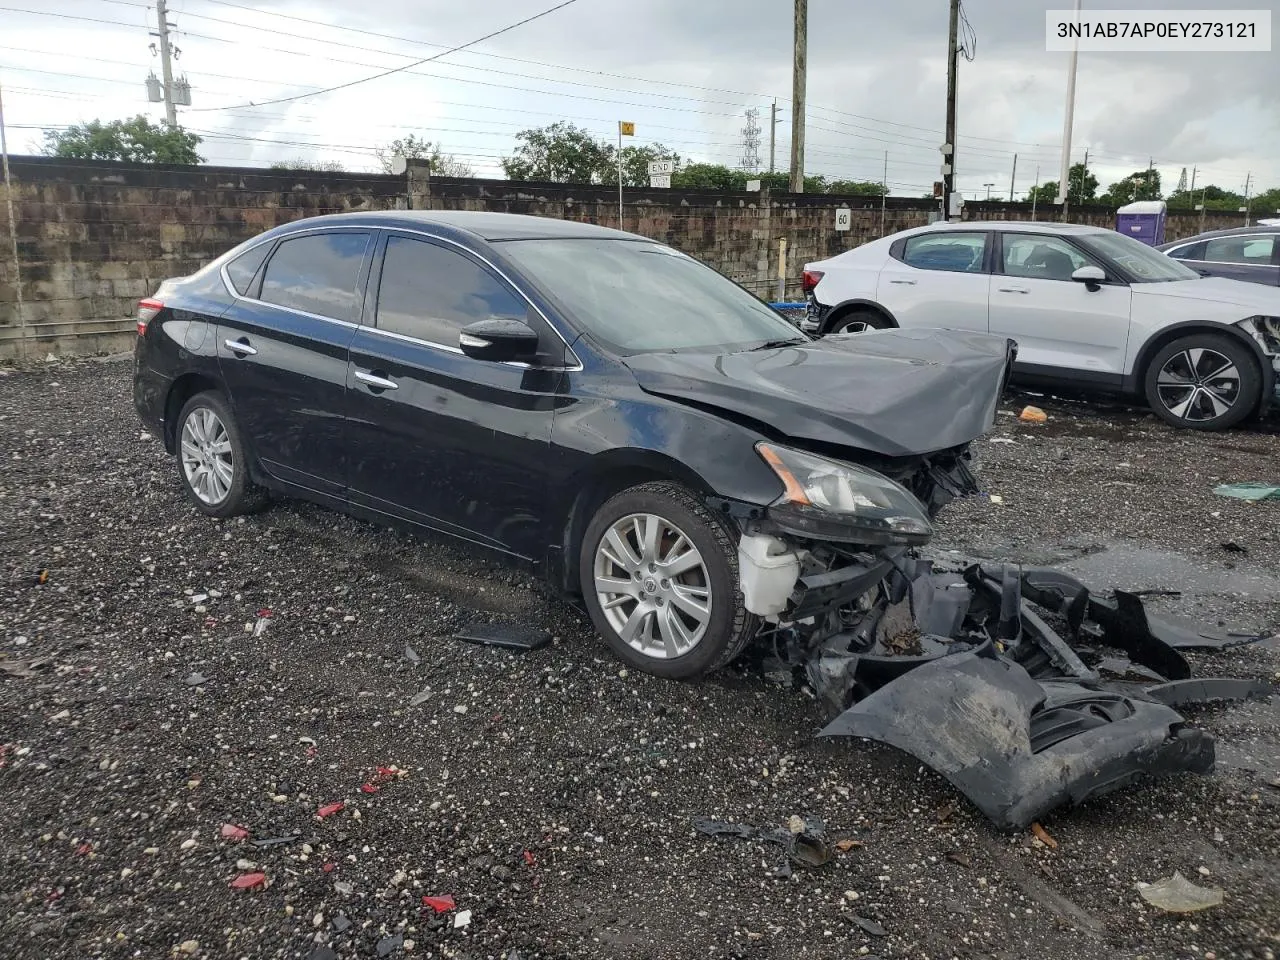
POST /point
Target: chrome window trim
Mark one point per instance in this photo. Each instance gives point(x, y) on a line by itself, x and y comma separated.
point(576, 365)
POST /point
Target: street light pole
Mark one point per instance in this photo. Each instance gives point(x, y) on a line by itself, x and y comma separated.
point(1064, 183)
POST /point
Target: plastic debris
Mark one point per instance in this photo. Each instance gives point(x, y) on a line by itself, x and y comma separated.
point(329, 867)
point(1248, 491)
point(411, 654)
point(509, 638)
point(249, 881)
point(420, 698)
point(340, 923)
point(808, 847)
point(440, 904)
point(1177, 894)
point(42, 577)
point(528, 858)
point(388, 945)
point(844, 846)
point(343, 889)
point(1033, 415)
point(782, 871)
point(368, 788)
point(1232, 547)
point(461, 919)
point(329, 809)
point(196, 679)
point(1041, 834)
point(230, 831)
point(870, 926)
point(1002, 440)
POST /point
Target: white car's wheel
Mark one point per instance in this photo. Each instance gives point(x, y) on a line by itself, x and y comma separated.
point(1203, 382)
point(858, 321)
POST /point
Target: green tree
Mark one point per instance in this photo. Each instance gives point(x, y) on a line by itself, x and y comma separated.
point(859, 188)
point(1084, 188)
point(710, 176)
point(635, 164)
point(302, 163)
point(1213, 198)
point(559, 153)
point(414, 147)
point(137, 140)
point(1139, 185)
point(1267, 203)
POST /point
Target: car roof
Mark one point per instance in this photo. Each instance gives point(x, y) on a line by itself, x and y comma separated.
point(1038, 226)
point(1228, 232)
point(481, 224)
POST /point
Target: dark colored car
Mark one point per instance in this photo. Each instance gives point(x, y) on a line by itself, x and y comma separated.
point(1242, 253)
point(590, 403)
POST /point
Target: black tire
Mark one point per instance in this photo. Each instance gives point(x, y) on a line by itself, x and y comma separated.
point(729, 626)
point(861, 319)
point(242, 495)
point(1196, 406)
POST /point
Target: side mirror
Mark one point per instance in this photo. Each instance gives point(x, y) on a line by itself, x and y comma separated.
point(499, 339)
point(1092, 277)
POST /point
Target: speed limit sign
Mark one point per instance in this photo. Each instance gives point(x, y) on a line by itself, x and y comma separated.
point(844, 218)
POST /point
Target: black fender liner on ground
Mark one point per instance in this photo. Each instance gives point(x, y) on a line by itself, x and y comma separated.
point(1017, 748)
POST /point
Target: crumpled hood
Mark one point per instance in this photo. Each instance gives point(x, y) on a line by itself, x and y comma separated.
point(891, 392)
point(1222, 290)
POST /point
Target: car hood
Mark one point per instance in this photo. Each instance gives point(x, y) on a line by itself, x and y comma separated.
point(891, 392)
point(1221, 290)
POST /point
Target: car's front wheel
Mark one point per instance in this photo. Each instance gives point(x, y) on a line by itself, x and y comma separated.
point(212, 460)
point(659, 574)
point(1204, 381)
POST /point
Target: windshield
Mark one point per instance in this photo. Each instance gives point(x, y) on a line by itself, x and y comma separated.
point(1143, 264)
point(639, 297)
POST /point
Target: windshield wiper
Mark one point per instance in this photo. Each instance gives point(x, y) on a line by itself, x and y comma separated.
point(774, 344)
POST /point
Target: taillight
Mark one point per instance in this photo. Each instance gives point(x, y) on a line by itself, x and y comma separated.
point(811, 278)
point(147, 309)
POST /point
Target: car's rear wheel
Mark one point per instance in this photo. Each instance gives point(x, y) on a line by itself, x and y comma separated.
point(212, 460)
point(1204, 381)
point(859, 321)
point(659, 574)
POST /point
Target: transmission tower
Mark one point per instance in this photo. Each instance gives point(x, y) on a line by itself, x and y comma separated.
point(1182, 182)
point(750, 161)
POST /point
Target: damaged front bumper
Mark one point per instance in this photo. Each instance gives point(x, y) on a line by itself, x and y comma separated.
point(964, 670)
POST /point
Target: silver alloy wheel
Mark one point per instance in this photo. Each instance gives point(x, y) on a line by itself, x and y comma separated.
point(206, 456)
point(1198, 384)
point(854, 326)
point(653, 586)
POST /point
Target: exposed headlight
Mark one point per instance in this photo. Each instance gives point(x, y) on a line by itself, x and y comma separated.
point(833, 500)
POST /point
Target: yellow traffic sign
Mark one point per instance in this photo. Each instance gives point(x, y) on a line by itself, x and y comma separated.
point(626, 128)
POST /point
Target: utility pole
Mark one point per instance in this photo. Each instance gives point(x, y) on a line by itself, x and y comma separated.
point(988, 186)
point(773, 135)
point(1084, 171)
point(166, 66)
point(1192, 191)
point(13, 236)
point(1064, 181)
point(1035, 192)
point(799, 66)
point(884, 190)
point(1013, 177)
point(1247, 204)
point(949, 148)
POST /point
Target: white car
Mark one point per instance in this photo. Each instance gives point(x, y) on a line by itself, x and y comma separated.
point(1088, 307)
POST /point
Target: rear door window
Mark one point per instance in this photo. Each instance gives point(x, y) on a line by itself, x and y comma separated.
point(953, 252)
point(1255, 249)
point(318, 273)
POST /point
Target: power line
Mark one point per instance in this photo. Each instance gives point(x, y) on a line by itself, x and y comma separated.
point(417, 63)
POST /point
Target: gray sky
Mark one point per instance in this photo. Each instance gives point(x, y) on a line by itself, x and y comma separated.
point(684, 72)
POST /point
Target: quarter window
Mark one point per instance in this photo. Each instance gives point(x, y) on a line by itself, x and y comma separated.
point(430, 292)
point(954, 252)
point(1247, 249)
point(243, 268)
point(318, 273)
point(1188, 251)
point(1039, 257)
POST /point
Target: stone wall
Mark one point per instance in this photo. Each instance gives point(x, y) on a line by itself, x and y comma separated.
point(95, 236)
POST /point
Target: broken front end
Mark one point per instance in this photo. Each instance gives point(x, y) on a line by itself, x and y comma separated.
point(1020, 686)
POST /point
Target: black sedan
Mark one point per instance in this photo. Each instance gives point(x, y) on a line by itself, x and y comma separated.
point(588, 402)
point(1241, 253)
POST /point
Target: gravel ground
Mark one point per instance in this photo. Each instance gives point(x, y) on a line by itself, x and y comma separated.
point(551, 794)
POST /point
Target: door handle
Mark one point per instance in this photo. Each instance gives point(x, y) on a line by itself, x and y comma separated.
point(909, 283)
point(1013, 289)
point(375, 382)
point(239, 347)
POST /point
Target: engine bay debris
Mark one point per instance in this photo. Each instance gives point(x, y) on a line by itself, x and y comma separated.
point(1022, 687)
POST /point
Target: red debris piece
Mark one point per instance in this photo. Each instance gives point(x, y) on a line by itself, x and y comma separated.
point(388, 771)
point(249, 881)
point(439, 904)
point(329, 809)
point(368, 788)
point(265, 612)
point(311, 752)
point(84, 849)
point(329, 867)
point(528, 858)
point(230, 831)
